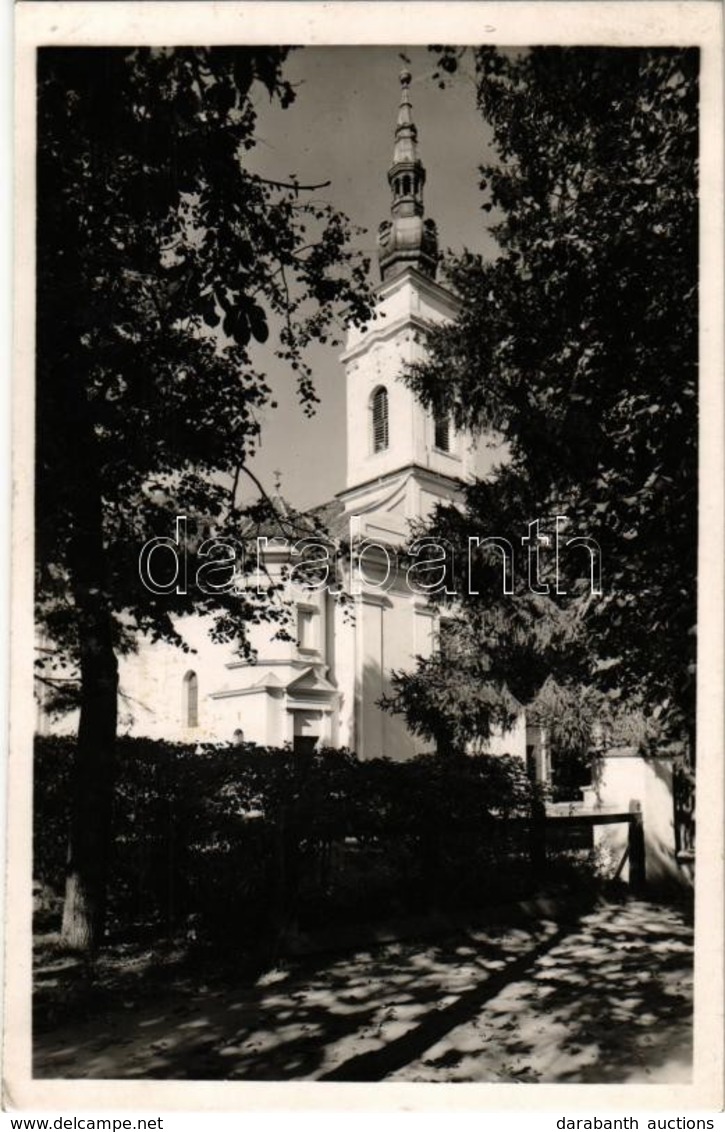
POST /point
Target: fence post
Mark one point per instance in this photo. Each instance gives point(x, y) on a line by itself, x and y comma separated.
point(637, 862)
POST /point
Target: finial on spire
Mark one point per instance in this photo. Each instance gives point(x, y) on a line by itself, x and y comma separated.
point(405, 112)
point(279, 503)
point(407, 240)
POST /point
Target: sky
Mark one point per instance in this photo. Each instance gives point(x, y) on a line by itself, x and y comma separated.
point(341, 128)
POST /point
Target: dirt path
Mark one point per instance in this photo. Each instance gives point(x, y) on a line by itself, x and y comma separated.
point(607, 999)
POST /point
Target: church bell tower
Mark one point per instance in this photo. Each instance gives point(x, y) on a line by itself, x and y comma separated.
point(401, 460)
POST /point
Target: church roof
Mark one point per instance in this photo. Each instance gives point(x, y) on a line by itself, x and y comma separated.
point(331, 518)
point(274, 517)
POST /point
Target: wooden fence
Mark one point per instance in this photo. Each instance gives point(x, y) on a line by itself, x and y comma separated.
point(570, 818)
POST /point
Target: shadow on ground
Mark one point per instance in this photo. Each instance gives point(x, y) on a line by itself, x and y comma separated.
point(604, 999)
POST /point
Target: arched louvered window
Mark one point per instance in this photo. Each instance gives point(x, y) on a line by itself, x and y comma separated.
point(380, 419)
point(442, 432)
point(191, 700)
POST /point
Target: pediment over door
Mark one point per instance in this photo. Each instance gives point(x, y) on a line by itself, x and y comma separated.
point(310, 687)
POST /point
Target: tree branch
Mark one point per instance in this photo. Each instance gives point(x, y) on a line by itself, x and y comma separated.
point(291, 184)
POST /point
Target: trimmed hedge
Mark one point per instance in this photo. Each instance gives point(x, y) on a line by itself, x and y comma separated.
point(237, 843)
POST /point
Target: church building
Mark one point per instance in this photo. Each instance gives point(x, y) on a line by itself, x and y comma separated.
point(323, 687)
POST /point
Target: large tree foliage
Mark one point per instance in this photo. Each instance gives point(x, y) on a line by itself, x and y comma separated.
point(169, 274)
point(577, 346)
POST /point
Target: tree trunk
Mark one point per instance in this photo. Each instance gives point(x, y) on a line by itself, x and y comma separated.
point(94, 769)
point(91, 806)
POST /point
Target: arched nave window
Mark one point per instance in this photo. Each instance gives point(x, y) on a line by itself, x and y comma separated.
point(380, 419)
point(191, 700)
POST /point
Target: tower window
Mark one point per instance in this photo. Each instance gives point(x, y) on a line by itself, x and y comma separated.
point(380, 419)
point(406, 186)
point(442, 432)
point(191, 700)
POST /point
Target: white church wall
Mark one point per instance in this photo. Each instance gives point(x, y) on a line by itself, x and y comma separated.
point(275, 732)
point(379, 368)
point(152, 690)
point(344, 675)
point(390, 630)
point(233, 715)
point(340, 667)
point(370, 733)
point(407, 631)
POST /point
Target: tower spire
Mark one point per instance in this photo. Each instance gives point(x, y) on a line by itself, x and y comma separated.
point(406, 134)
point(407, 240)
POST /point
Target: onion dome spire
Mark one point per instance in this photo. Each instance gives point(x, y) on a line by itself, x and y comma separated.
point(407, 240)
